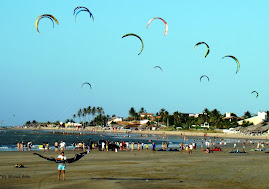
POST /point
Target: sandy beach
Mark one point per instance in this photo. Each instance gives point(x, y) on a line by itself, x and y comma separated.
point(136, 169)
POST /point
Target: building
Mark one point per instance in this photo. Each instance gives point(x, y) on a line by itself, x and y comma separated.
point(146, 116)
point(260, 118)
point(117, 120)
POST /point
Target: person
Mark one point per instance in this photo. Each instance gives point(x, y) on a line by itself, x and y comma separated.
point(30, 144)
point(62, 146)
point(138, 146)
point(74, 146)
point(132, 146)
point(90, 143)
point(244, 146)
point(207, 151)
point(106, 145)
point(47, 146)
point(191, 148)
point(18, 145)
point(103, 146)
point(153, 146)
point(234, 146)
point(147, 147)
point(61, 166)
point(142, 145)
point(56, 146)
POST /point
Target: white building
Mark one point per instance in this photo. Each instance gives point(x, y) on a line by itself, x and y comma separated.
point(115, 120)
point(262, 116)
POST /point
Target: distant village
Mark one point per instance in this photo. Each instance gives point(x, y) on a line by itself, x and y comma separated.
point(227, 123)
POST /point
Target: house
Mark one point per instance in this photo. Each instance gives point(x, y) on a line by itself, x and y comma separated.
point(114, 120)
point(205, 125)
point(146, 116)
point(229, 117)
point(72, 125)
point(262, 116)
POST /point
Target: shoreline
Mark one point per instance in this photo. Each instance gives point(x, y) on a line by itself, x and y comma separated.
point(159, 132)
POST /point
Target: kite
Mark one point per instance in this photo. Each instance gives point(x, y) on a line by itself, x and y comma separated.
point(165, 23)
point(79, 9)
point(86, 83)
point(204, 76)
point(206, 45)
point(157, 67)
point(257, 94)
point(237, 62)
point(52, 18)
point(70, 160)
point(132, 34)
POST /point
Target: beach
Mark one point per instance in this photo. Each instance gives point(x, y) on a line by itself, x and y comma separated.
point(136, 169)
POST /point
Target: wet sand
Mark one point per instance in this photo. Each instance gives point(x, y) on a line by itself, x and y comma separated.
point(139, 169)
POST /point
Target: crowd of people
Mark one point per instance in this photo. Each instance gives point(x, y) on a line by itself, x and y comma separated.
point(21, 145)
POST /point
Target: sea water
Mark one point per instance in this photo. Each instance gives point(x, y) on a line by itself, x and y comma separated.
point(10, 138)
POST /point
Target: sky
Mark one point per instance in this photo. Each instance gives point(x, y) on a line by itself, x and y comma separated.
point(41, 74)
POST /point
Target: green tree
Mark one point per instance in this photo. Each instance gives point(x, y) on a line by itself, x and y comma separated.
point(132, 112)
point(79, 114)
point(74, 116)
point(93, 113)
point(89, 112)
point(247, 115)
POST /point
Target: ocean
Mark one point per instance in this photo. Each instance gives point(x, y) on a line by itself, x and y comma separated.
point(10, 138)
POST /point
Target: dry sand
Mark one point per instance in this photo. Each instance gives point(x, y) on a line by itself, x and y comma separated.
point(138, 169)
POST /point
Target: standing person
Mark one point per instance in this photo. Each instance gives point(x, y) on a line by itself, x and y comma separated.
point(90, 143)
point(142, 145)
point(147, 147)
point(64, 144)
point(103, 146)
point(191, 148)
point(61, 166)
point(132, 146)
point(138, 146)
point(244, 147)
point(47, 146)
point(56, 146)
point(234, 146)
point(30, 145)
point(153, 146)
point(44, 146)
point(106, 145)
point(22, 146)
point(74, 146)
point(18, 145)
point(127, 146)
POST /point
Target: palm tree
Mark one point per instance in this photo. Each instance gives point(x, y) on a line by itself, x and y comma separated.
point(142, 110)
point(166, 115)
point(74, 116)
point(247, 114)
point(206, 114)
point(176, 117)
point(85, 112)
point(93, 112)
point(100, 110)
point(215, 117)
point(79, 114)
point(132, 112)
point(89, 112)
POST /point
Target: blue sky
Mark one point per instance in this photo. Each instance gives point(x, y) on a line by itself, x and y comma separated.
point(42, 73)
